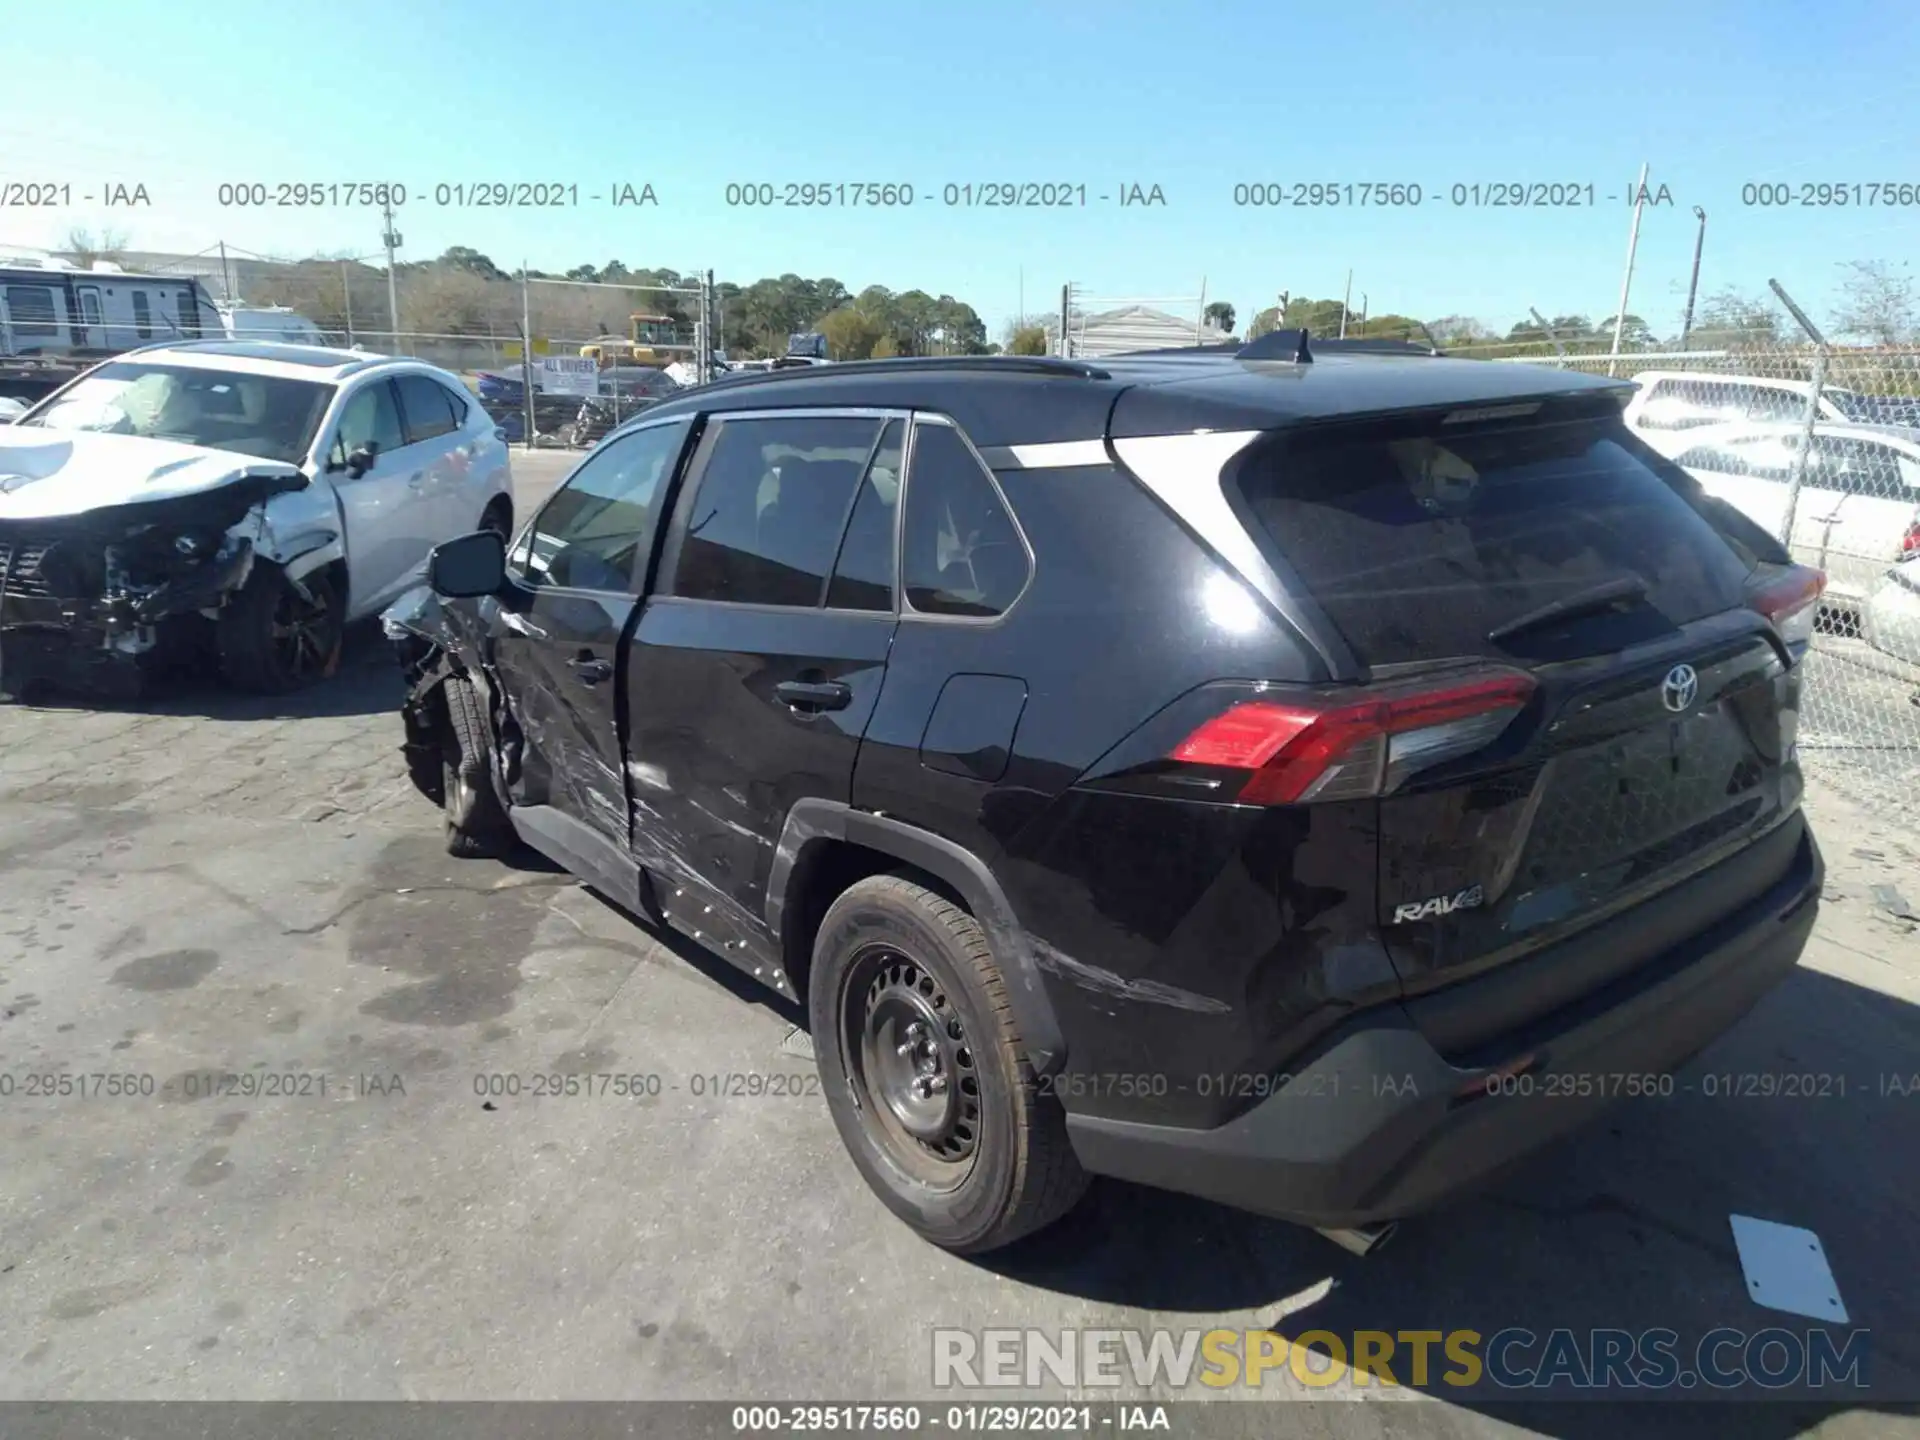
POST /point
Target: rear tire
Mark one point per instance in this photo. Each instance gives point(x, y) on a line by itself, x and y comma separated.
point(925, 1072)
point(477, 824)
point(274, 641)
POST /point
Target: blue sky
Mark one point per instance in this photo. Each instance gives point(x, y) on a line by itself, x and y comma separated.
point(1193, 97)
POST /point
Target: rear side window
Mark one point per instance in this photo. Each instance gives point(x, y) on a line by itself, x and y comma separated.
point(142, 315)
point(960, 553)
point(765, 519)
point(369, 418)
point(429, 408)
point(1418, 543)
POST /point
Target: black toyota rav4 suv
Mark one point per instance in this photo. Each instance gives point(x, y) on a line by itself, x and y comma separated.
point(1304, 776)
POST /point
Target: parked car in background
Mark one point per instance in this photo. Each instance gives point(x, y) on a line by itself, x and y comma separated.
point(502, 387)
point(1671, 403)
point(270, 322)
point(637, 382)
point(1890, 615)
point(1130, 763)
point(247, 499)
point(1858, 509)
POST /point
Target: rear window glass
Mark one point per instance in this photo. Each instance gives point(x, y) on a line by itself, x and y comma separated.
point(1417, 543)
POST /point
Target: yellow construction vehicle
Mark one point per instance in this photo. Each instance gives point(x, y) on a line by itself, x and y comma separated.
point(650, 341)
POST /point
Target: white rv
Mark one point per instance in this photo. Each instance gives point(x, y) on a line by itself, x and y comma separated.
point(52, 308)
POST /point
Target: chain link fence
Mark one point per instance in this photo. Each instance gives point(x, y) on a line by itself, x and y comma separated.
point(1819, 444)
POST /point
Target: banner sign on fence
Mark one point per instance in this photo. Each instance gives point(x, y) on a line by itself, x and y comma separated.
point(567, 375)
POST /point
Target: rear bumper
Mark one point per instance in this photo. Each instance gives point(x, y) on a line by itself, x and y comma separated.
point(1376, 1125)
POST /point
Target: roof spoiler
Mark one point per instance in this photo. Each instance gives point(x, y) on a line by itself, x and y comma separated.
point(1290, 346)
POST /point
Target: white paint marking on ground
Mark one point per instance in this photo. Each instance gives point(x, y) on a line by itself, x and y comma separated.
point(1786, 1269)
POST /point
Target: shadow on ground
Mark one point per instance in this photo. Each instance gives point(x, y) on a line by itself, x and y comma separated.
point(368, 682)
point(1623, 1226)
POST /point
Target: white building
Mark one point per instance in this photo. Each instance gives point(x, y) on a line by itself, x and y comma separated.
point(1131, 327)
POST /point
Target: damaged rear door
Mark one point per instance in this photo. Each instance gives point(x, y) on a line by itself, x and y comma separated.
point(575, 578)
point(757, 664)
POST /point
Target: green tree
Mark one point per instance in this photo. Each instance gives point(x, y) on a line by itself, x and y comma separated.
point(851, 334)
point(1219, 313)
point(1028, 340)
point(460, 257)
point(1878, 303)
point(1729, 320)
point(884, 348)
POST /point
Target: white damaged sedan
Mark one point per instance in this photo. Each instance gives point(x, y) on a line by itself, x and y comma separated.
point(240, 498)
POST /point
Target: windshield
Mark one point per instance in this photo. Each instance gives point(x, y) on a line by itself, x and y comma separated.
point(261, 415)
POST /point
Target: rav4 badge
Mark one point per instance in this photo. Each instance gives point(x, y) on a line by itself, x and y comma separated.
point(1439, 905)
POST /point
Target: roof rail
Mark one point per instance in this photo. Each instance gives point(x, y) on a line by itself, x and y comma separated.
point(1291, 346)
point(907, 364)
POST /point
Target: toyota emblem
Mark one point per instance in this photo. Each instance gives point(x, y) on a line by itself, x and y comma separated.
point(1680, 688)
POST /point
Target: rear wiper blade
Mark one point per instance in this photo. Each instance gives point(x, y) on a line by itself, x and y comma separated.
point(1604, 596)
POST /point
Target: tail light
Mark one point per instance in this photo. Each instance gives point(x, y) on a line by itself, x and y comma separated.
point(1353, 743)
point(1791, 602)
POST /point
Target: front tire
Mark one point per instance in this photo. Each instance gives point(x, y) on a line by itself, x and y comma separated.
point(273, 640)
point(477, 824)
point(926, 1075)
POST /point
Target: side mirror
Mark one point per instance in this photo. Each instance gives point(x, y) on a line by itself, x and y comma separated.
point(362, 459)
point(470, 566)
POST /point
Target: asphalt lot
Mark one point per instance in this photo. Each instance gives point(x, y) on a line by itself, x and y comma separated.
point(212, 885)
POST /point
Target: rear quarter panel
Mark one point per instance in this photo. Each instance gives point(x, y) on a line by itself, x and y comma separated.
point(1162, 929)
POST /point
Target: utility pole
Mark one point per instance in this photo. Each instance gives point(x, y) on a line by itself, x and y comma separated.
point(526, 347)
point(391, 239)
point(1693, 285)
point(346, 295)
point(1066, 293)
point(1626, 280)
point(226, 274)
point(1345, 301)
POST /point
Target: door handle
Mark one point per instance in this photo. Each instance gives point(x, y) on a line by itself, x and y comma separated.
point(815, 694)
point(590, 670)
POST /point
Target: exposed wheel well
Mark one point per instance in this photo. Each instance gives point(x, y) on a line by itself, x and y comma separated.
point(824, 872)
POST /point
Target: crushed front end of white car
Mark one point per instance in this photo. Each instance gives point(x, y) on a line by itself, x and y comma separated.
point(110, 545)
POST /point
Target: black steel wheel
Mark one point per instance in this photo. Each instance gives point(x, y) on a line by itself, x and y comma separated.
point(925, 1074)
point(910, 1063)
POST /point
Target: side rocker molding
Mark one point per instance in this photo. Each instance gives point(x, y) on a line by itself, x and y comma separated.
point(814, 821)
point(583, 850)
